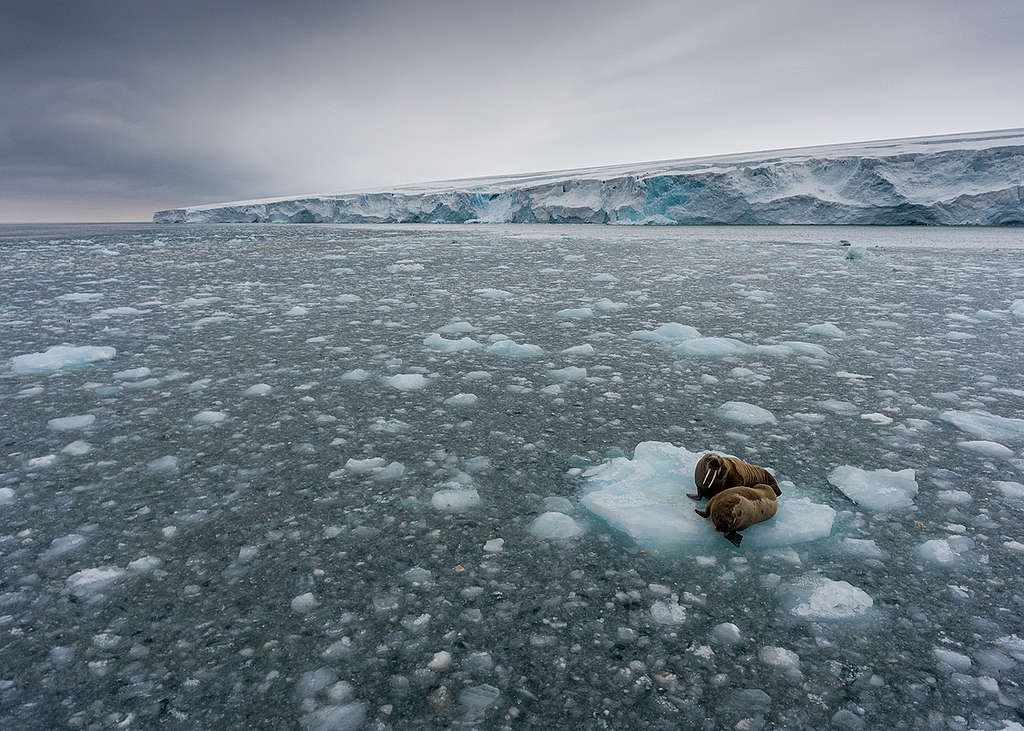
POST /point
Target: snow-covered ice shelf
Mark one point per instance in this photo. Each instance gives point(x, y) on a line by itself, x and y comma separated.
point(435, 476)
point(968, 179)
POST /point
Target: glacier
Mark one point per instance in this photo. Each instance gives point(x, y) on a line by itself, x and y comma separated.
point(973, 179)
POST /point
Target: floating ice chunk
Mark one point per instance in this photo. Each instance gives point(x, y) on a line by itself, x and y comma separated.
point(62, 545)
point(877, 418)
point(304, 603)
point(167, 463)
point(585, 349)
point(132, 374)
point(725, 633)
point(878, 490)
point(644, 497)
point(474, 376)
point(792, 348)
point(492, 294)
point(862, 547)
point(748, 700)
point(80, 297)
point(945, 551)
point(478, 698)
point(826, 330)
point(297, 311)
point(61, 356)
point(984, 425)
point(512, 349)
point(953, 659)
point(987, 449)
point(37, 463)
point(418, 575)
point(440, 661)
point(346, 717)
point(209, 417)
point(6, 495)
point(713, 347)
point(570, 373)
point(456, 499)
point(839, 407)
point(1012, 490)
point(1017, 308)
point(956, 497)
point(744, 413)
point(606, 277)
point(144, 564)
point(118, 311)
point(312, 682)
point(407, 381)
point(462, 400)
point(356, 374)
point(405, 266)
point(90, 582)
point(554, 525)
point(670, 332)
point(858, 253)
point(819, 598)
point(494, 545)
point(364, 466)
point(668, 612)
point(577, 313)
point(443, 345)
point(70, 423)
point(606, 305)
point(458, 327)
point(348, 299)
point(557, 504)
point(779, 657)
point(258, 389)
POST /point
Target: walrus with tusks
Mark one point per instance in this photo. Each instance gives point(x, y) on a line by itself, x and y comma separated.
point(737, 508)
point(716, 472)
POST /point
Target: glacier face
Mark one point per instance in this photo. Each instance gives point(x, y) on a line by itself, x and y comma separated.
point(958, 180)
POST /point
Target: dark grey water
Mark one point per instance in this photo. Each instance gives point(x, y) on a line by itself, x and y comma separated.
point(199, 551)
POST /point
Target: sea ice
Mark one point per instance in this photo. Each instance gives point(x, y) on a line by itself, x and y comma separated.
point(555, 525)
point(644, 497)
point(132, 374)
point(986, 426)
point(512, 349)
point(60, 356)
point(6, 495)
point(578, 313)
point(945, 551)
point(209, 417)
point(70, 423)
point(670, 332)
point(826, 330)
point(987, 449)
point(90, 582)
point(819, 598)
point(443, 345)
point(407, 381)
point(878, 490)
point(258, 389)
point(569, 373)
point(744, 413)
point(462, 400)
point(455, 499)
point(346, 717)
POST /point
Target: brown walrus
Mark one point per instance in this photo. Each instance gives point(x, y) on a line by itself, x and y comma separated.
point(715, 472)
point(737, 508)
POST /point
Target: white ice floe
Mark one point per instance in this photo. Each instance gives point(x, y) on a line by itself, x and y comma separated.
point(606, 305)
point(878, 490)
point(785, 660)
point(668, 612)
point(987, 449)
point(712, 347)
point(955, 660)
point(645, 497)
point(877, 418)
point(407, 381)
point(455, 499)
point(444, 345)
point(492, 294)
point(462, 400)
point(305, 603)
point(64, 544)
point(494, 545)
point(71, 423)
point(826, 330)
point(863, 547)
point(209, 417)
point(576, 313)
point(585, 349)
point(356, 374)
point(348, 299)
point(91, 582)
point(345, 717)
point(986, 426)
point(458, 327)
point(258, 389)
point(725, 633)
point(6, 495)
point(1017, 308)
point(167, 463)
point(133, 374)
point(946, 551)
point(297, 311)
point(80, 297)
point(61, 356)
point(744, 413)
point(512, 349)
point(670, 332)
point(1011, 490)
point(569, 373)
point(554, 525)
point(818, 598)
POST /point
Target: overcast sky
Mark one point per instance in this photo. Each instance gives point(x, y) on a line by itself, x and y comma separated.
point(111, 110)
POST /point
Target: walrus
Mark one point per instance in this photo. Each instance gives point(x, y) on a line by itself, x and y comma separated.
point(737, 508)
point(715, 472)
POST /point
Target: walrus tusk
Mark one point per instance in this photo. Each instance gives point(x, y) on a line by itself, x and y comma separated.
point(712, 476)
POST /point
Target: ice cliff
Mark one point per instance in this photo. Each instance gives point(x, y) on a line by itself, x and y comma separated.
point(969, 179)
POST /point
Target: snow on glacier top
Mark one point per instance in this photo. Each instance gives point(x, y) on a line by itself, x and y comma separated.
point(500, 183)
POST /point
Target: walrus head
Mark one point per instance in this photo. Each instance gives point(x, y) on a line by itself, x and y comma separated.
point(710, 469)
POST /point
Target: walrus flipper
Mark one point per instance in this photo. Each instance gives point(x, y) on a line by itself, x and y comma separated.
point(695, 496)
point(734, 538)
point(701, 513)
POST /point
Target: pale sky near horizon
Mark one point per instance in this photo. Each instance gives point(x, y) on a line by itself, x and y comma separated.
point(111, 110)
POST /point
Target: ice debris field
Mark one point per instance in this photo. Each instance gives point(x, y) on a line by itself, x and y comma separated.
point(425, 477)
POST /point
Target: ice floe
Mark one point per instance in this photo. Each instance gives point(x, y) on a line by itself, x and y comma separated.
point(878, 490)
point(61, 356)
